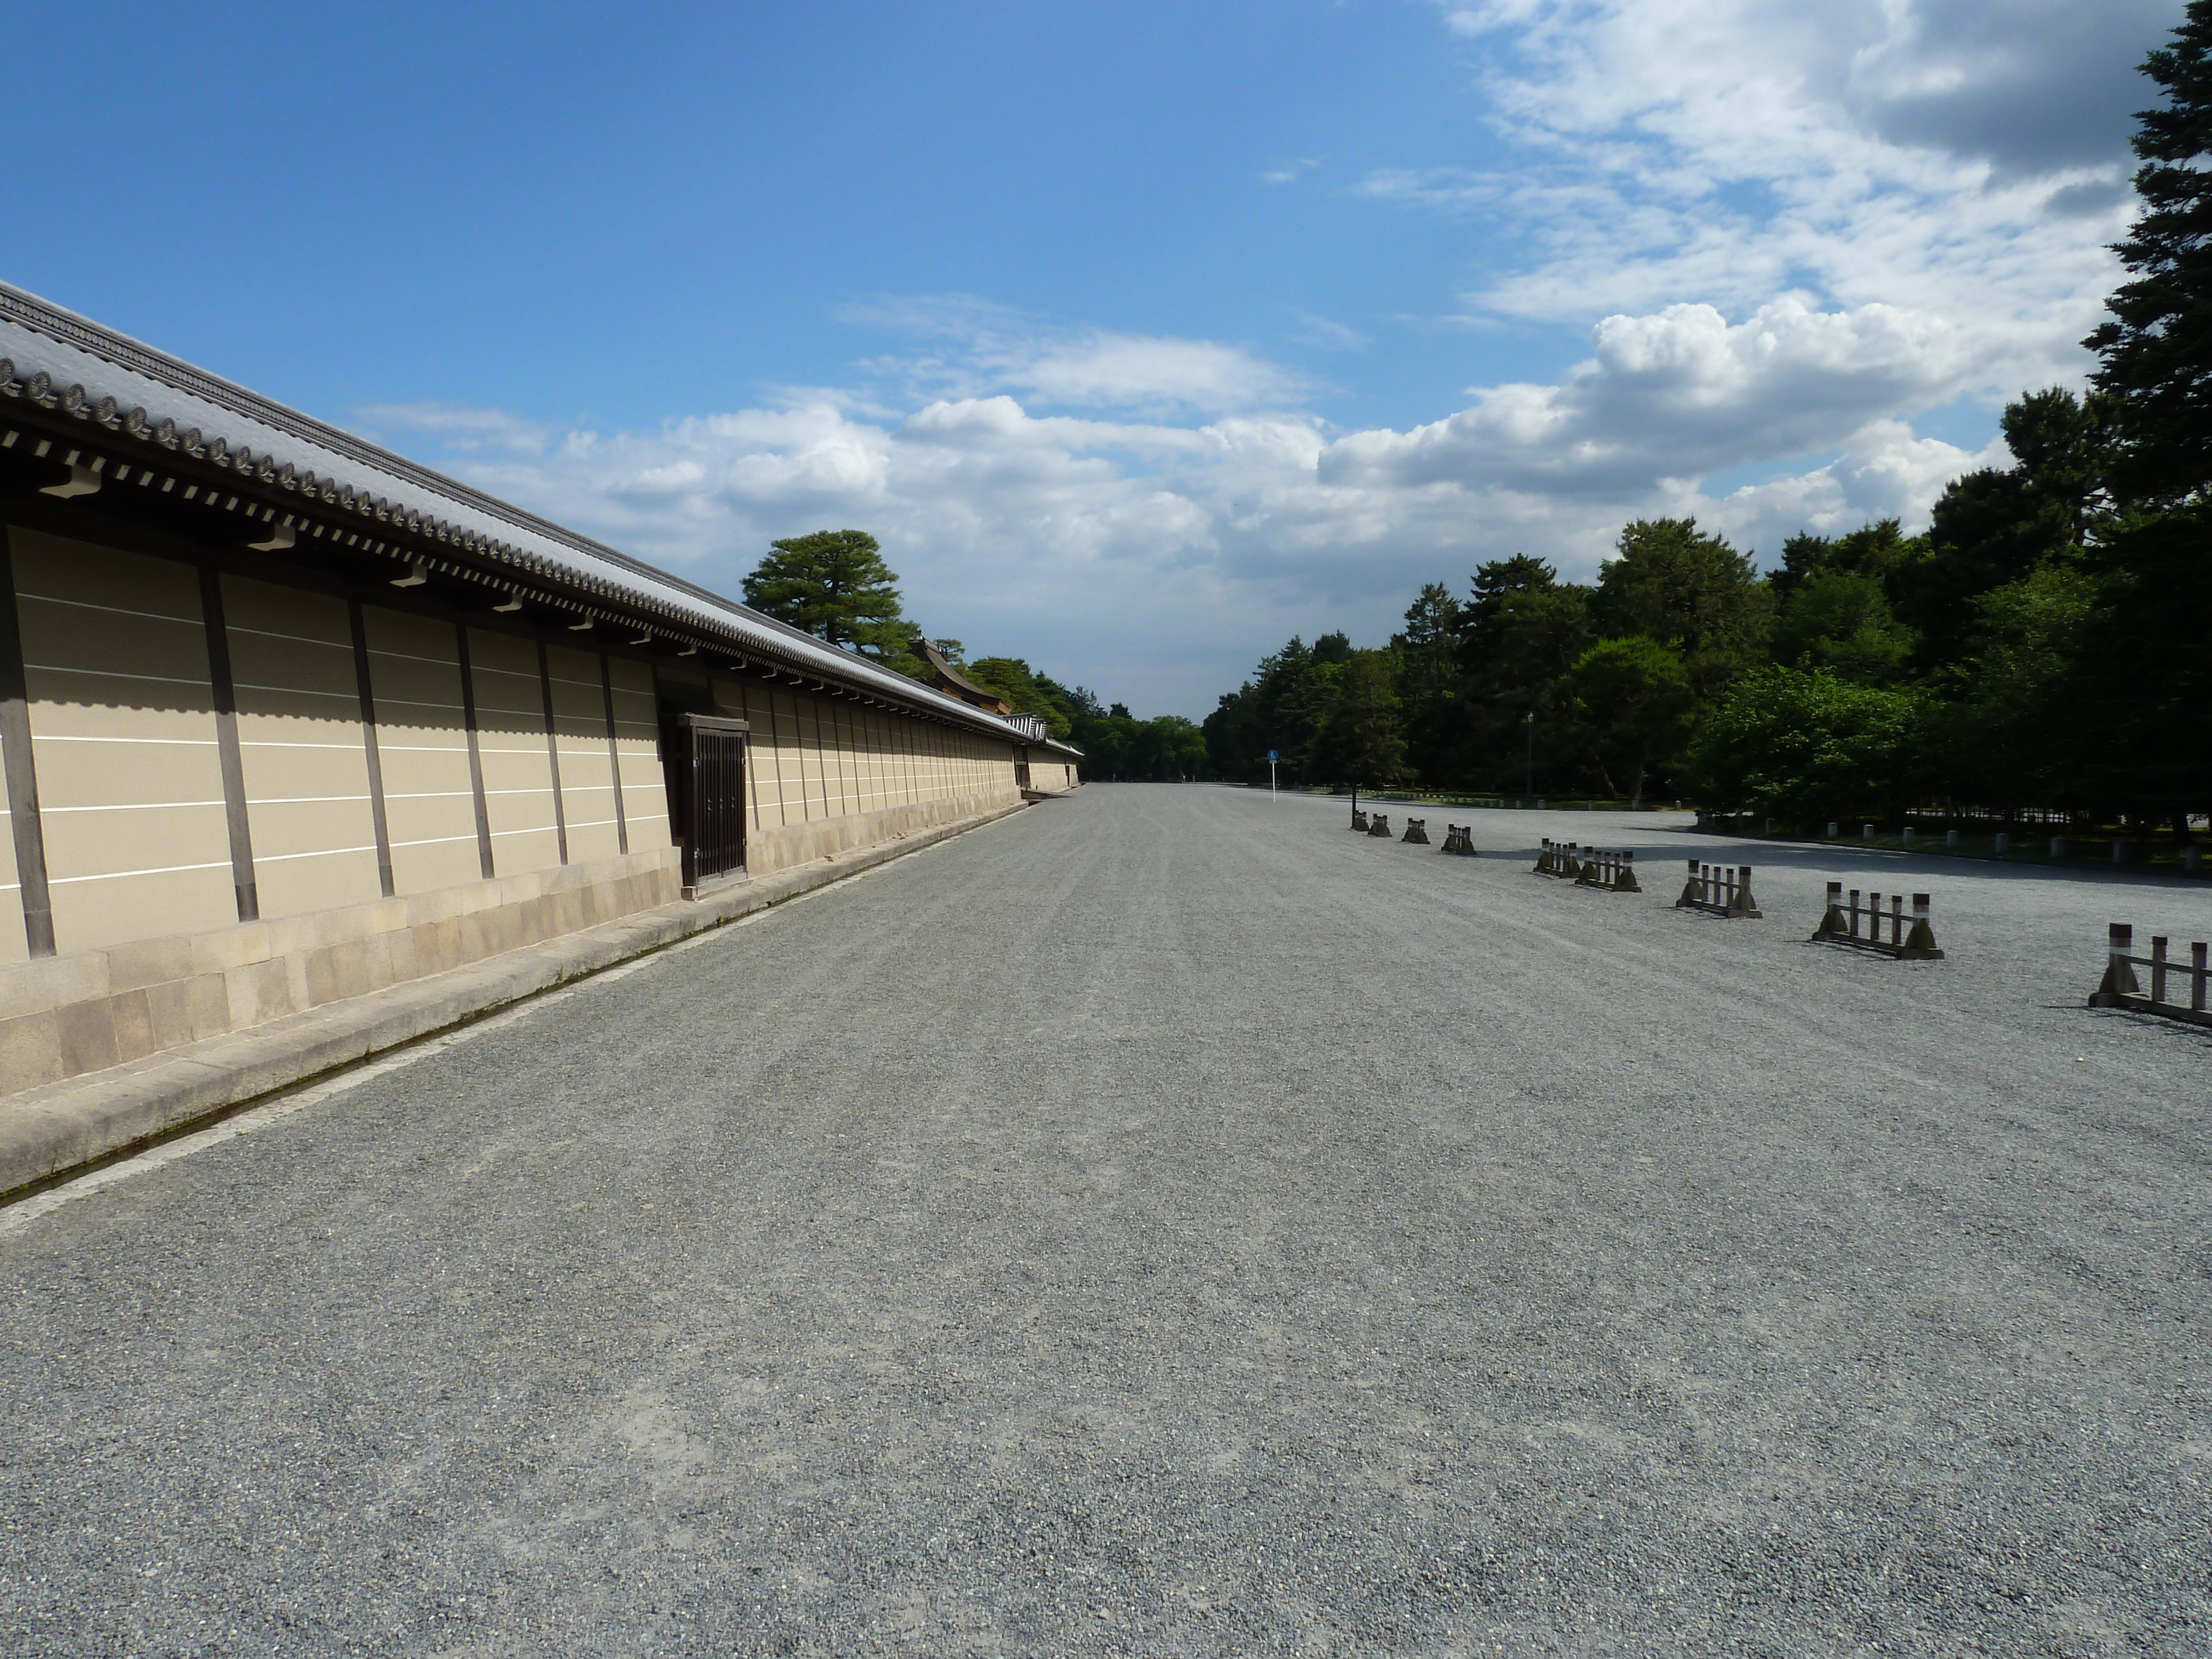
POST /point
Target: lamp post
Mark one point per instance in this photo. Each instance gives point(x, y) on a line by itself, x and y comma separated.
point(1530, 781)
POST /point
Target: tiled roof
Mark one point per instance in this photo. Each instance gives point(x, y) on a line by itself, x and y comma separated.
point(59, 361)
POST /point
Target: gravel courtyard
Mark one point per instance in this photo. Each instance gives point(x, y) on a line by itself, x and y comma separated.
point(1165, 1223)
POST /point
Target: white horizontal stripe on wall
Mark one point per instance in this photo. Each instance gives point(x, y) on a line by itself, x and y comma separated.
point(353, 697)
point(290, 742)
point(438, 840)
point(110, 674)
point(318, 852)
point(126, 807)
point(345, 645)
point(181, 743)
point(112, 609)
point(120, 875)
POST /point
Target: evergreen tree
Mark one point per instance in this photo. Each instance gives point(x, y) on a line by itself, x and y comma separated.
point(1428, 682)
point(834, 585)
point(1360, 741)
point(1524, 629)
point(1635, 699)
point(2157, 350)
point(1691, 592)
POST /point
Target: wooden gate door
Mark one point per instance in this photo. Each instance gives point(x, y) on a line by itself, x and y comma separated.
point(714, 773)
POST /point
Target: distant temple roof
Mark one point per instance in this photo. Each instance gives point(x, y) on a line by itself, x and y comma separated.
point(949, 678)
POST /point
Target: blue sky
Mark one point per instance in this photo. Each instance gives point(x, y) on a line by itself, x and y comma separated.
point(1144, 335)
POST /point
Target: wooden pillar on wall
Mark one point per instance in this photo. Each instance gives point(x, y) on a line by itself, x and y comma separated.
point(226, 737)
point(368, 745)
point(22, 770)
point(614, 752)
point(553, 751)
point(476, 755)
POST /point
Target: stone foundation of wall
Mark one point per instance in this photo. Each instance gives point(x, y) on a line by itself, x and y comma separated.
point(774, 848)
point(62, 1016)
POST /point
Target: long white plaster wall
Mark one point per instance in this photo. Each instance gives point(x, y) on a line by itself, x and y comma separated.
point(828, 774)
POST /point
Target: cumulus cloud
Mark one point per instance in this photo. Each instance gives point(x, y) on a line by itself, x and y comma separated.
point(1673, 395)
point(1785, 230)
point(1947, 156)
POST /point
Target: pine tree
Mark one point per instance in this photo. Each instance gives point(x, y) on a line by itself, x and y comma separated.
point(835, 585)
point(2158, 352)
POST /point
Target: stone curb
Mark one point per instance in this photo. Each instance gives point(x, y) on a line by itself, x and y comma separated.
point(58, 1127)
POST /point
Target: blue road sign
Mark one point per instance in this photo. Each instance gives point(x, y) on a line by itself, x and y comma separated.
point(1271, 757)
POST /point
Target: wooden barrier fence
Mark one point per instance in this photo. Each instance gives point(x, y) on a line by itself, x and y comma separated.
point(1614, 872)
point(1459, 838)
point(1416, 831)
point(1379, 824)
point(1839, 925)
point(2120, 989)
point(1720, 890)
point(1358, 822)
point(1562, 859)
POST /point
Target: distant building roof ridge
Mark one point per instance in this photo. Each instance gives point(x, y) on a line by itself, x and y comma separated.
point(952, 679)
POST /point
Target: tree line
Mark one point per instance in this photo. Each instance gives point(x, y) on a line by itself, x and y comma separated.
point(836, 586)
point(2046, 643)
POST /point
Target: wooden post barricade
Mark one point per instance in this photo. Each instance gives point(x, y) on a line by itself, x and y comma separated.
point(1720, 890)
point(1560, 858)
point(1416, 831)
point(1839, 925)
point(2120, 989)
point(1358, 821)
point(1379, 825)
point(1614, 872)
point(1459, 838)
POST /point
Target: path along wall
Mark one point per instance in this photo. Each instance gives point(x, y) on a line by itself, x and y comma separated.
point(248, 798)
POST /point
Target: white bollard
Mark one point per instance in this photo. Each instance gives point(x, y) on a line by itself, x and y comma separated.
point(2004, 844)
point(1951, 839)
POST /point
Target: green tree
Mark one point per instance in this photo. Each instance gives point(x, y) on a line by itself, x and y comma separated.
point(2010, 732)
point(1804, 743)
point(2134, 704)
point(1993, 527)
point(1013, 679)
point(1691, 592)
point(1429, 676)
point(1524, 629)
point(1360, 741)
point(1878, 549)
point(834, 585)
point(2155, 362)
point(1280, 708)
point(1841, 620)
point(1634, 697)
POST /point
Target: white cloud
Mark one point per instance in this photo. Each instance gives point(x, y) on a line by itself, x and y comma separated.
point(1789, 230)
point(1674, 395)
point(979, 348)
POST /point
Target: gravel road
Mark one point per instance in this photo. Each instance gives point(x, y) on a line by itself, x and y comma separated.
point(1165, 1223)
